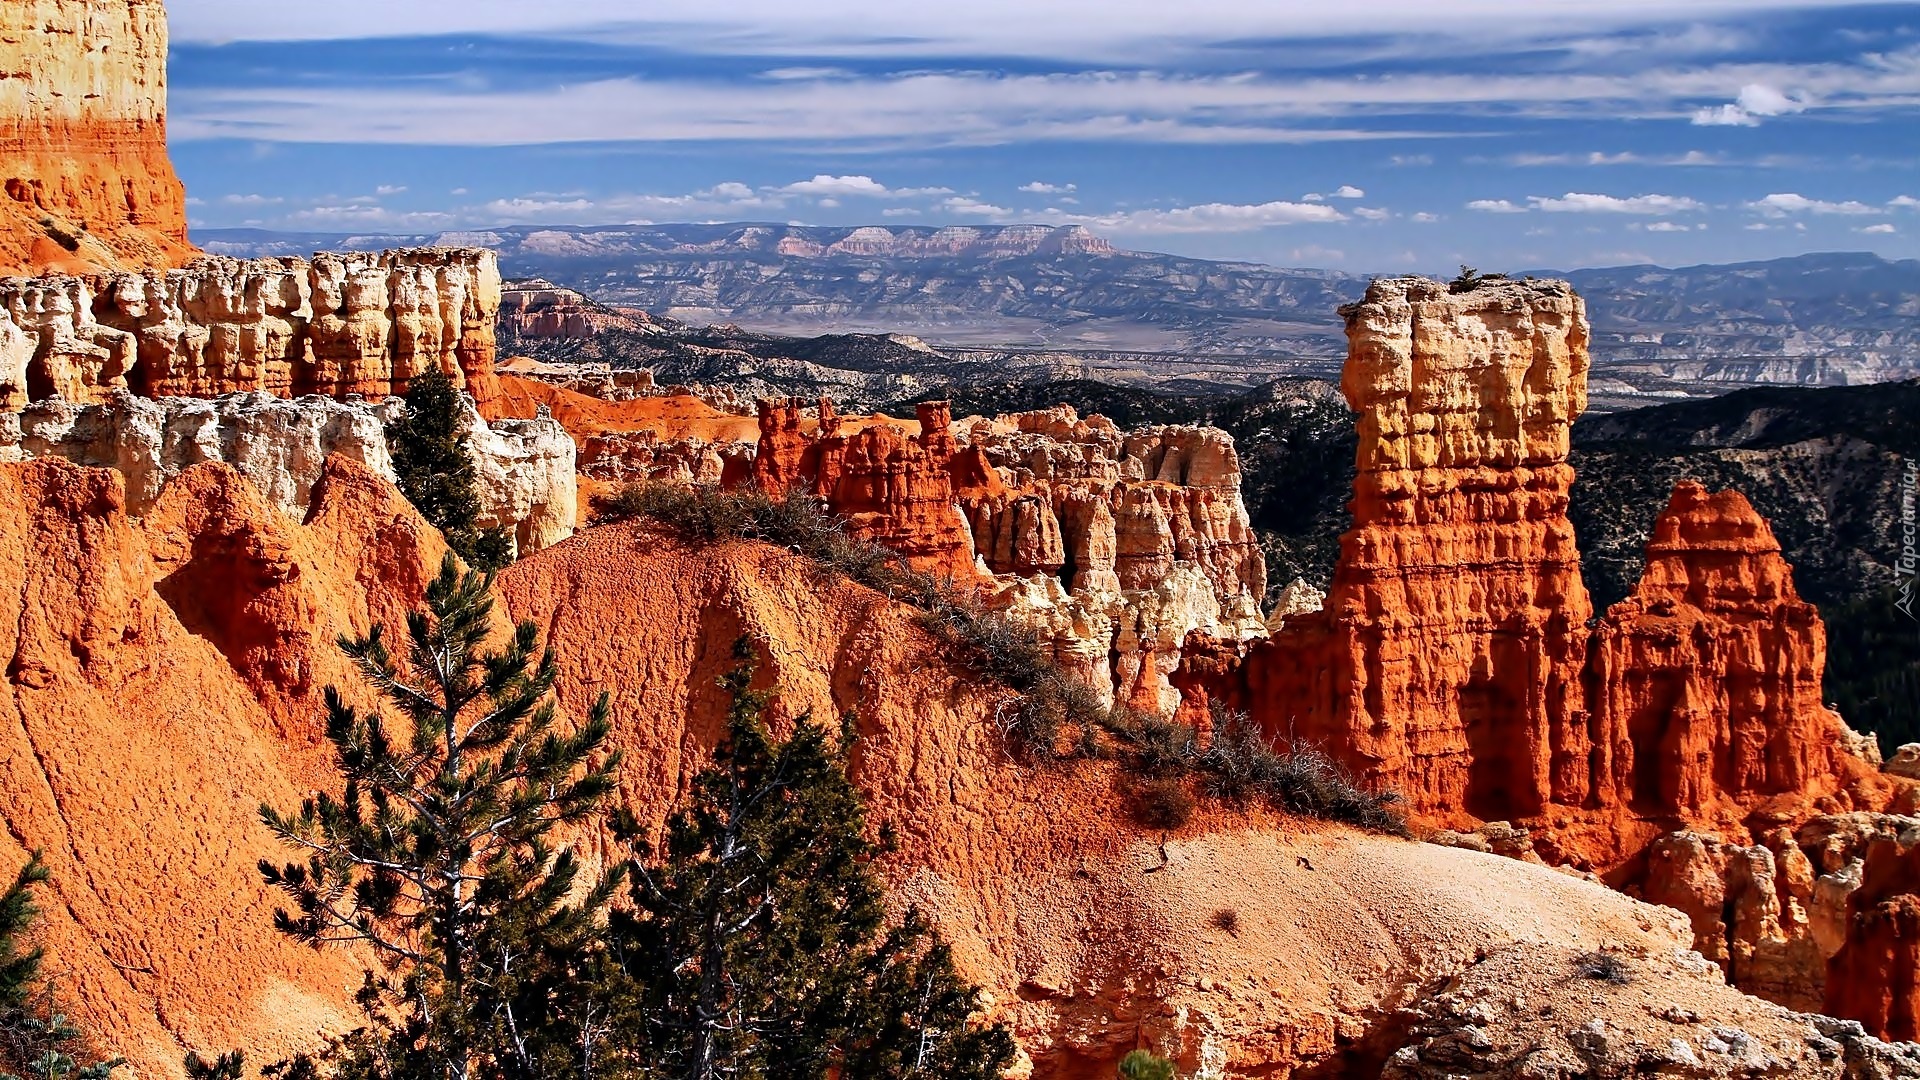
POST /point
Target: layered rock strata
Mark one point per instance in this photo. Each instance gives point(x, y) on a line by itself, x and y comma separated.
point(85, 181)
point(336, 324)
point(1706, 681)
point(524, 468)
point(891, 488)
point(1447, 662)
point(1116, 545)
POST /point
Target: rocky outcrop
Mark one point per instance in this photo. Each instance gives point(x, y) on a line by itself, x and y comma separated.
point(337, 324)
point(1447, 661)
point(524, 468)
point(1115, 545)
point(1874, 976)
point(1706, 681)
point(85, 181)
point(891, 488)
point(534, 309)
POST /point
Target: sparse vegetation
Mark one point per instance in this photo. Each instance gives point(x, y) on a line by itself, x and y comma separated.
point(1225, 919)
point(1602, 967)
point(1471, 279)
point(1163, 804)
point(1145, 1065)
point(1054, 715)
point(35, 1037)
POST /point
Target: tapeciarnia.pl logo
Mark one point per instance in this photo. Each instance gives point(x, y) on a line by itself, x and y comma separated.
point(1904, 568)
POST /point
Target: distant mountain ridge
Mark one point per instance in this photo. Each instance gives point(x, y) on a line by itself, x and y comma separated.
point(1819, 319)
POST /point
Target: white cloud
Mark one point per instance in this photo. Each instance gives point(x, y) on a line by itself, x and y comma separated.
point(1883, 227)
point(390, 189)
point(1782, 204)
point(251, 200)
point(838, 185)
point(1756, 102)
point(1576, 202)
point(972, 207)
point(825, 186)
point(974, 107)
point(1495, 206)
point(1624, 157)
point(1905, 202)
point(731, 189)
point(1371, 213)
point(1425, 218)
point(1348, 191)
point(1410, 160)
point(1041, 187)
point(458, 191)
point(979, 28)
point(1664, 226)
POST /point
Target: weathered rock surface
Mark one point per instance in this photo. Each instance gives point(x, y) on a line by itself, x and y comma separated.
point(1707, 679)
point(892, 488)
point(534, 309)
point(1115, 544)
point(337, 324)
point(1447, 662)
point(524, 468)
point(1874, 977)
point(85, 181)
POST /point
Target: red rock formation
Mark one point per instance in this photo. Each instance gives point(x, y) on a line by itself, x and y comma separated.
point(1447, 662)
point(1706, 681)
point(1875, 977)
point(85, 181)
point(892, 488)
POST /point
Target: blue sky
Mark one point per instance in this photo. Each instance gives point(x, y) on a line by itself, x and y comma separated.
point(1383, 136)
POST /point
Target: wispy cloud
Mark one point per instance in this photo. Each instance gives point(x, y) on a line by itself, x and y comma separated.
point(1783, 204)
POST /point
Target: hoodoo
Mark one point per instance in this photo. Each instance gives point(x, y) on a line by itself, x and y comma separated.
point(1446, 663)
point(85, 181)
point(336, 325)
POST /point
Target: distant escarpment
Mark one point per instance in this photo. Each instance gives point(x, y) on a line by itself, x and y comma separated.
point(334, 325)
point(85, 181)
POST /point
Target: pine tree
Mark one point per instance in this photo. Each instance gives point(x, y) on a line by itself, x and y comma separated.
point(34, 1034)
point(436, 854)
point(435, 469)
point(19, 968)
point(757, 944)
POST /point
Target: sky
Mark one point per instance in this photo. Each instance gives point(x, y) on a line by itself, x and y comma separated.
point(1382, 136)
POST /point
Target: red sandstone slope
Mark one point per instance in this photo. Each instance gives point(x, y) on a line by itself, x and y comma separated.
point(163, 680)
point(162, 683)
point(85, 181)
point(1090, 937)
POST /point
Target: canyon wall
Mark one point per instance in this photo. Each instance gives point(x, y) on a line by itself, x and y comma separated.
point(336, 325)
point(85, 181)
point(524, 469)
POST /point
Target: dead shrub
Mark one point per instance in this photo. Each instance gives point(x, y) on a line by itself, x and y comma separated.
point(1163, 804)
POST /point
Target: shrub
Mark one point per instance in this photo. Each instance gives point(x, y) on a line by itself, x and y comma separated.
point(1163, 804)
point(1226, 919)
point(1144, 1065)
point(1602, 967)
point(1242, 765)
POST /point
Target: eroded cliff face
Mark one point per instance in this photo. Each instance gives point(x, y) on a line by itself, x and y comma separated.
point(524, 469)
point(1447, 662)
point(85, 181)
point(337, 324)
point(892, 488)
point(1114, 545)
point(1706, 681)
point(217, 614)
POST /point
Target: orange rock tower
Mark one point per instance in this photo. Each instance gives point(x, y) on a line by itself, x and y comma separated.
point(85, 181)
point(1446, 663)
